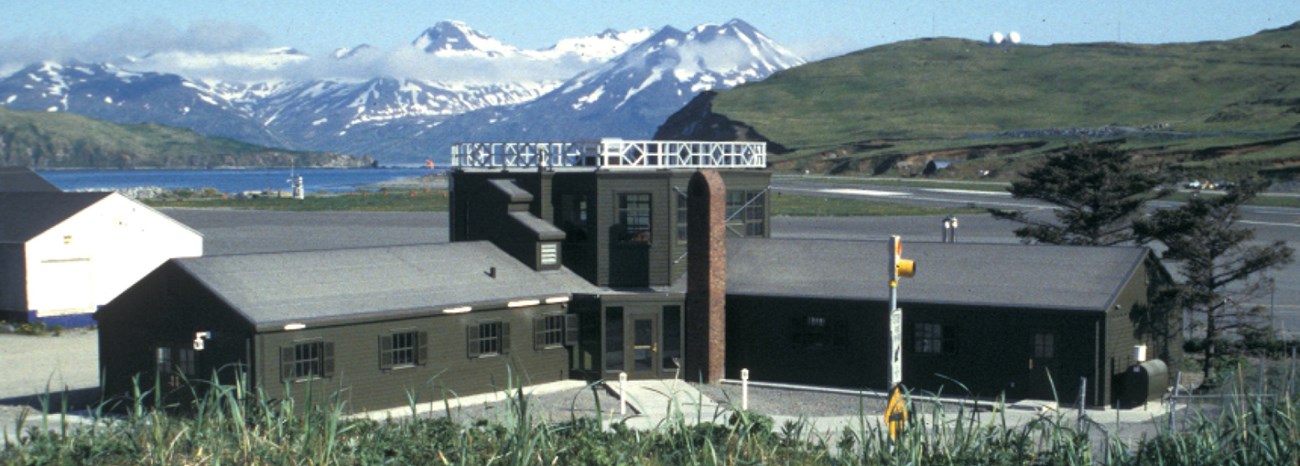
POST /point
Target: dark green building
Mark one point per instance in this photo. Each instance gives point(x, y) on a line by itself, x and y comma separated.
point(569, 261)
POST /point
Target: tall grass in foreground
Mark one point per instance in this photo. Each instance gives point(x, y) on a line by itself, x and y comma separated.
point(233, 425)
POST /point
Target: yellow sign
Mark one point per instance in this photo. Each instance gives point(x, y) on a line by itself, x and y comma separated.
point(896, 413)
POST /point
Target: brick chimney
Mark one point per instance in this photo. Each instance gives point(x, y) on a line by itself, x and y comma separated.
point(706, 281)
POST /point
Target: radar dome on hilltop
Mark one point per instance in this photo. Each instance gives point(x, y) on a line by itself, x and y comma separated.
point(1013, 37)
point(996, 38)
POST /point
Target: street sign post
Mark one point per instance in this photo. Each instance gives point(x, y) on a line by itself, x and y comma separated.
point(898, 266)
point(895, 347)
point(896, 411)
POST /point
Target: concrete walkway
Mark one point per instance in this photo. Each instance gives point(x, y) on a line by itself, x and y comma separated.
point(652, 403)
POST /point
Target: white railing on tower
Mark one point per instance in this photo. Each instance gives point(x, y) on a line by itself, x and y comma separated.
point(610, 154)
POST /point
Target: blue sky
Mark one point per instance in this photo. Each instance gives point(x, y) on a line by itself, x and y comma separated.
point(95, 30)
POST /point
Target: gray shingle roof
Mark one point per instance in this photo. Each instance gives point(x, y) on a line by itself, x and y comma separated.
point(544, 229)
point(24, 215)
point(512, 190)
point(1008, 275)
point(23, 179)
point(357, 284)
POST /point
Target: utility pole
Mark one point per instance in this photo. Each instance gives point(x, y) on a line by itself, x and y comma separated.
point(898, 266)
point(896, 411)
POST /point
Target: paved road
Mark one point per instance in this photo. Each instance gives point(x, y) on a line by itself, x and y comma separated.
point(1270, 224)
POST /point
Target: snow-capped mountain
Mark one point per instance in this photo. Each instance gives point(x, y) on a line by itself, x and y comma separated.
point(600, 47)
point(324, 113)
point(111, 93)
point(630, 96)
point(623, 84)
point(679, 64)
point(457, 39)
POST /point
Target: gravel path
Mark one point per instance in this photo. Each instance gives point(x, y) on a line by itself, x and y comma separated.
point(552, 407)
point(794, 403)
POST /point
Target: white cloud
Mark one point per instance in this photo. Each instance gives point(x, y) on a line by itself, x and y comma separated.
point(818, 48)
point(131, 40)
point(240, 52)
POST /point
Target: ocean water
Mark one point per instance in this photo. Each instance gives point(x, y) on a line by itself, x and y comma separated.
point(228, 181)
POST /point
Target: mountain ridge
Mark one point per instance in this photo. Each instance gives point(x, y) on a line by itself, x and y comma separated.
point(408, 120)
point(1229, 107)
point(65, 140)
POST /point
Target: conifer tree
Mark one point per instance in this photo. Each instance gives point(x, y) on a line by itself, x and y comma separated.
point(1221, 270)
point(1098, 193)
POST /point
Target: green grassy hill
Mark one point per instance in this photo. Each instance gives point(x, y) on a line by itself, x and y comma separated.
point(1223, 108)
point(53, 140)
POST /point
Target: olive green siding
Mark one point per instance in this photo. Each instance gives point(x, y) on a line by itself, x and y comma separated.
point(449, 372)
point(620, 264)
point(1128, 324)
point(168, 306)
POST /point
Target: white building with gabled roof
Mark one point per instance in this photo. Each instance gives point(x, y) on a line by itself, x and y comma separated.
point(64, 254)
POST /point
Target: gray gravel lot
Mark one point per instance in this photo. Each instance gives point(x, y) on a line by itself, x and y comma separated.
point(31, 366)
point(795, 403)
point(33, 363)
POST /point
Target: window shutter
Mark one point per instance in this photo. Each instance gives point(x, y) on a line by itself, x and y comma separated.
point(386, 351)
point(471, 341)
point(571, 329)
point(539, 332)
point(327, 359)
point(422, 351)
point(286, 362)
point(505, 338)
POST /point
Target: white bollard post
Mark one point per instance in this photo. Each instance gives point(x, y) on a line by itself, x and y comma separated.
point(622, 393)
point(744, 389)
